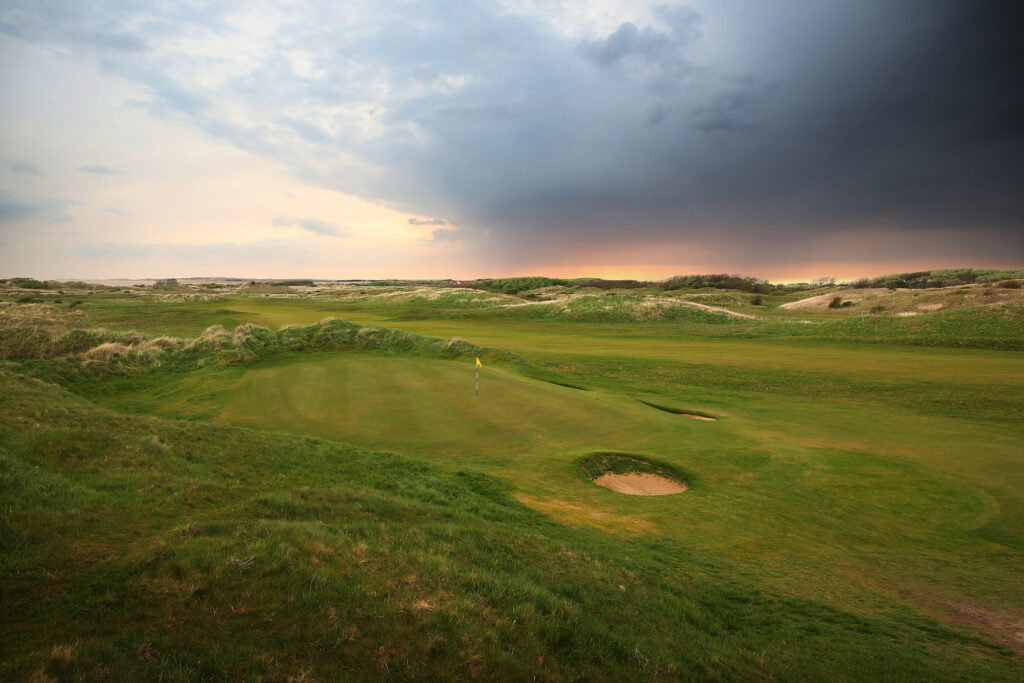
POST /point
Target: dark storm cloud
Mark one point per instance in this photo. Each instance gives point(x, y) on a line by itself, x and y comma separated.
point(905, 117)
point(734, 125)
point(906, 124)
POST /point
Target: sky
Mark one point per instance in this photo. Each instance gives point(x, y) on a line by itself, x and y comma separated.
point(787, 140)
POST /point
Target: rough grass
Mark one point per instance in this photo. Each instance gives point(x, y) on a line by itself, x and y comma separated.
point(218, 346)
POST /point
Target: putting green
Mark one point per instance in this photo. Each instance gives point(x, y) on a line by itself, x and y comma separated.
point(430, 406)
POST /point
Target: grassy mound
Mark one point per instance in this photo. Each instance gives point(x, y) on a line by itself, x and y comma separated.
point(579, 308)
point(91, 353)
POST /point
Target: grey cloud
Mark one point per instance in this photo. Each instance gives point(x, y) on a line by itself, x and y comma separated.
point(25, 167)
point(99, 170)
point(733, 110)
point(656, 113)
point(307, 131)
point(13, 209)
point(313, 225)
point(647, 44)
point(444, 235)
point(427, 221)
point(117, 26)
point(169, 96)
point(627, 41)
point(109, 39)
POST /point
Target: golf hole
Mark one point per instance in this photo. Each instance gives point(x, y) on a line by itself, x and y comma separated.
point(632, 476)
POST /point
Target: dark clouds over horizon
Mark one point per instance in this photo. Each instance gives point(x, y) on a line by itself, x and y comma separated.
point(749, 128)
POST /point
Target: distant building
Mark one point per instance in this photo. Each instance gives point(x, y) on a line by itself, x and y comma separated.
point(169, 282)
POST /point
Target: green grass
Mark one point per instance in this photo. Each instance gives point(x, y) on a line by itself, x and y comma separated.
point(337, 502)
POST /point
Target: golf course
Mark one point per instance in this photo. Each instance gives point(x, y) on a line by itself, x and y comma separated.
point(431, 480)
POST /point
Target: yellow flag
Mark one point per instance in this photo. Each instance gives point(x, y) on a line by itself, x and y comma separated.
point(478, 363)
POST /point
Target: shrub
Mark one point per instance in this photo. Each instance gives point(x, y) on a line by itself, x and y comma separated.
point(757, 300)
point(612, 284)
point(836, 302)
point(1009, 284)
point(26, 283)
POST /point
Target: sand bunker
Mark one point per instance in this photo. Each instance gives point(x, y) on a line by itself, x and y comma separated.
point(640, 484)
point(694, 416)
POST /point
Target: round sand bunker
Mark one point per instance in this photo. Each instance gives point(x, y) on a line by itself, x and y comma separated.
point(640, 484)
point(632, 475)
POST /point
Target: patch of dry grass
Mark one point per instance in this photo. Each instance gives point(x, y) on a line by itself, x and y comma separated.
point(909, 301)
point(40, 316)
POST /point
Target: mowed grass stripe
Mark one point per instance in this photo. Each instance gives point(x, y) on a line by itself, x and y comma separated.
point(427, 406)
point(661, 342)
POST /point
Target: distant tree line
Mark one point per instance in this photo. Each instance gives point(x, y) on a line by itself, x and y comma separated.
point(291, 283)
point(720, 281)
point(511, 285)
point(918, 280)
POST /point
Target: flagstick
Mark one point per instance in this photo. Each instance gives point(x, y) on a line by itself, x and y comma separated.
point(478, 380)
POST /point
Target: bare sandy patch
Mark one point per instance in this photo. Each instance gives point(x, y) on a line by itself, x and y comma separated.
point(694, 416)
point(821, 302)
point(640, 484)
point(720, 311)
point(580, 514)
point(1007, 628)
